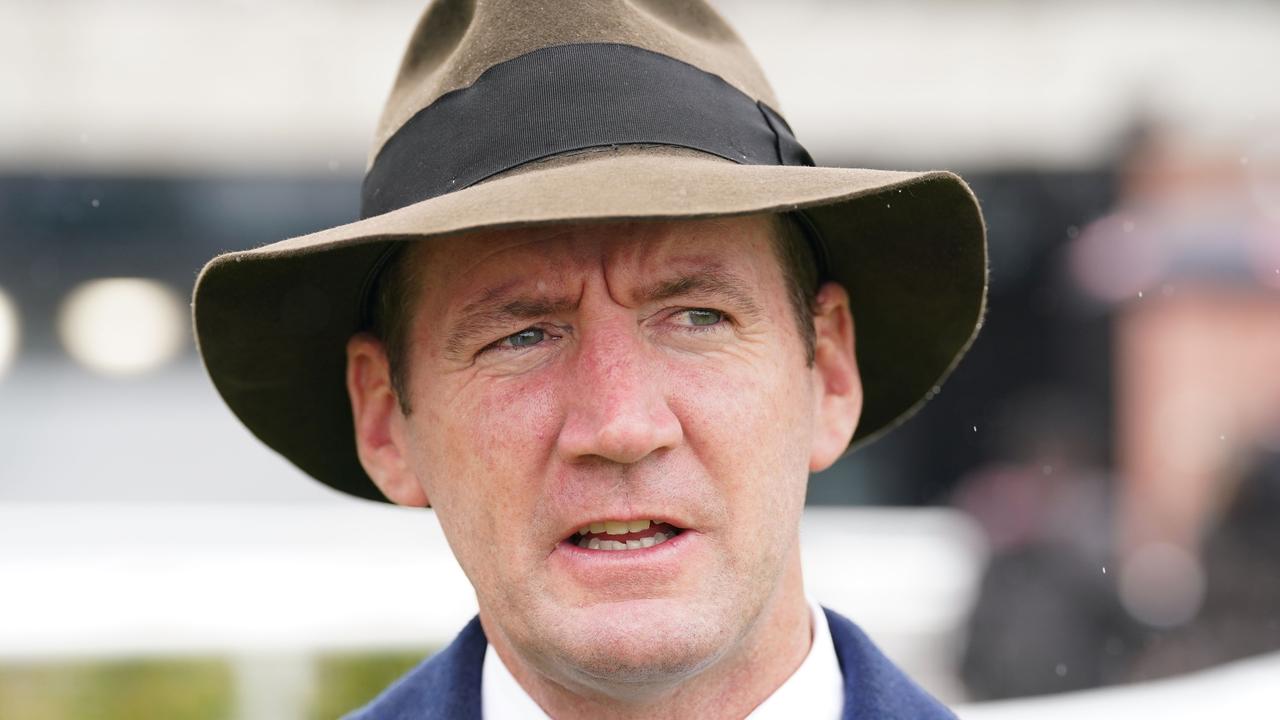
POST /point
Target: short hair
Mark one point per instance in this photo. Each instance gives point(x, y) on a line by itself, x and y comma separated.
point(397, 283)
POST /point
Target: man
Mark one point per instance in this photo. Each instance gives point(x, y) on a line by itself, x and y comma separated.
point(600, 314)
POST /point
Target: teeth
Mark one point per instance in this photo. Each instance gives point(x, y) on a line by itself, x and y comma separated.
point(598, 544)
point(616, 527)
point(619, 527)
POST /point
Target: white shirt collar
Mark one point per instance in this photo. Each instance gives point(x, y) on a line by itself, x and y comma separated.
point(814, 690)
point(501, 697)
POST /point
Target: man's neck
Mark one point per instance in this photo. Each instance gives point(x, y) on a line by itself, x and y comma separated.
point(730, 688)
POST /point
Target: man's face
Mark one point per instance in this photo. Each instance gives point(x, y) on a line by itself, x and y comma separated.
point(564, 377)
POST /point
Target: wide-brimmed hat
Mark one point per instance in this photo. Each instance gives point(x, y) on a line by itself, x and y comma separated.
point(508, 113)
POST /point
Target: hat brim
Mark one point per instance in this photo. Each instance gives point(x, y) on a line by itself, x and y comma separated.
point(272, 323)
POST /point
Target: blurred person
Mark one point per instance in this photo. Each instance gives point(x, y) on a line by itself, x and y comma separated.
point(1190, 262)
point(599, 314)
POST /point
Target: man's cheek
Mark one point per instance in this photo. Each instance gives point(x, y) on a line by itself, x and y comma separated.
point(512, 423)
point(724, 403)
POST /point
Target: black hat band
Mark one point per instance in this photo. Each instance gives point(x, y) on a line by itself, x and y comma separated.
point(565, 98)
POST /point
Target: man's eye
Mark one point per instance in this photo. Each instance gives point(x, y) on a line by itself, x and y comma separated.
point(523, 339)
point(703, 317)
point(526, 338)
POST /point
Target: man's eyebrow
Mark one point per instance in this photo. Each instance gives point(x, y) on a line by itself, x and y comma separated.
point(496, 308)
point(704, 281)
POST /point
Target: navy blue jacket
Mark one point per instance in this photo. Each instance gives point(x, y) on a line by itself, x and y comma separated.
point(446, 686)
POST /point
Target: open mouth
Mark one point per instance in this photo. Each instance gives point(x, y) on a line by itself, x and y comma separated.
point(615, 535)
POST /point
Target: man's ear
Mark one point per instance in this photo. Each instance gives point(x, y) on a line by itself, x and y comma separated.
point(379, 423)
point(837, 384)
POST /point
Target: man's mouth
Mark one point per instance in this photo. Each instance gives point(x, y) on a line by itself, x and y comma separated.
point(613, 535)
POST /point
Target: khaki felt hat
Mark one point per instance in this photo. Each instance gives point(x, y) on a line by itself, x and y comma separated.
point(509, 113)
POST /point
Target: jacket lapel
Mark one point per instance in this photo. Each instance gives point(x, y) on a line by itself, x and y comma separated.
point(446, 686)
point(874, 688)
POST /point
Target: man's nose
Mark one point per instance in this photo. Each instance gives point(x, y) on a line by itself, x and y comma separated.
point(617, 408)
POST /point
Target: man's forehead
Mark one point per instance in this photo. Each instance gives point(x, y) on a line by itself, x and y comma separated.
point(488, 265)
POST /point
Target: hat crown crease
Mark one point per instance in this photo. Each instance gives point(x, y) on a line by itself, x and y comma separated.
point(456, 41)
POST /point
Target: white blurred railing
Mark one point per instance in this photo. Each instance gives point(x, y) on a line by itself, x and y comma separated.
point(108, 579)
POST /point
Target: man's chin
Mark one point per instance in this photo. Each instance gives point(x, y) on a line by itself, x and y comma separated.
point(639, 642)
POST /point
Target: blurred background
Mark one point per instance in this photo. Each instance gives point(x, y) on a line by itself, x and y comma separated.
point(1084, 519)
